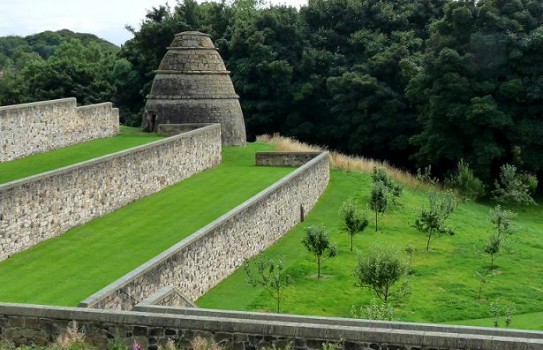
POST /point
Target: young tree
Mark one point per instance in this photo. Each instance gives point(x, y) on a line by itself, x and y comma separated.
point(394, 190)
point(354, 220)
point(493, 247)
point(380, 270)
point(269, 275)
point(431, 220)
point(378, 200)
point(501, 220)
point(316, 241)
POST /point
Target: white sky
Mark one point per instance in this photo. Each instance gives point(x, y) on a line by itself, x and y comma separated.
point(104, 18)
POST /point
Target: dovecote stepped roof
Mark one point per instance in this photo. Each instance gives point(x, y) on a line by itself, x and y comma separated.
point(192, 85)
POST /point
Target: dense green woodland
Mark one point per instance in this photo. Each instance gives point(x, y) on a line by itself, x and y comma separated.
point(414, 82)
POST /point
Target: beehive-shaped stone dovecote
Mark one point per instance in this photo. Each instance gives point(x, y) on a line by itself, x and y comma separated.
point(192, 85)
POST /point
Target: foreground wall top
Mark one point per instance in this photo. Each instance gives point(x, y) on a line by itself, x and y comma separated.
point(39, 324)
point(31, 128)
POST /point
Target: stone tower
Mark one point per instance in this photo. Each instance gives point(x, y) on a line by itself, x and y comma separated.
point(192, 85)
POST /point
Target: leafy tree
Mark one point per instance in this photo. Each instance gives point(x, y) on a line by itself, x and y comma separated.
point(270, 276)
point(478, 88)
point(431, 219)
point(354, 220)
point(513, 188)
point(73, 70)
point(378, 199)
point(380, 270)
point(317, 242)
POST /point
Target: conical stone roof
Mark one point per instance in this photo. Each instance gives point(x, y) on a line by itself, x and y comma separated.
point(192, 85)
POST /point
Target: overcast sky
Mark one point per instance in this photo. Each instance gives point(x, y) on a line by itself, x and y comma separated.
point(104, 18)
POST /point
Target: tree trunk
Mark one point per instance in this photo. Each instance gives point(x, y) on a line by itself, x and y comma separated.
point(376, 221)
point(319, 267)
point(351, 243)
point(428, 242)
point(492, 261)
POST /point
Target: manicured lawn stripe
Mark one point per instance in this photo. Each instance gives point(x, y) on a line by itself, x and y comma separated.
point(42, 162)
point(444, 286)
point(67, 269)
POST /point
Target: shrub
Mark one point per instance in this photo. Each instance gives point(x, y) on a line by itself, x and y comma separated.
point(376, 310)
point(467, 185)
point(513, 188)
point(71, 338)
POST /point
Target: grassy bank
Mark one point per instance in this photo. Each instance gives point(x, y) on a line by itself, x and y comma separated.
point(47, 161)
point(444, 286)
point(67, 269)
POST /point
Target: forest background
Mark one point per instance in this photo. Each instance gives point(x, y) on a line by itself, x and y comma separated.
point(417, 83)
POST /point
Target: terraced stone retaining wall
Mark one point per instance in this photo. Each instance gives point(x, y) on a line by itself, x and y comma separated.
point(40, 325)
point(44, 206)
point(202, 260)
point(38, 127)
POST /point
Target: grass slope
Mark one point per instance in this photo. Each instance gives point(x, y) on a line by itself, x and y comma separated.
point(444, 286)
point(47, 161)
point(67, 269)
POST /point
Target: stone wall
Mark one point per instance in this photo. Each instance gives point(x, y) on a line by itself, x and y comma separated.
point(201, 261)
point(43, 206)
point(40, 325)
point(38, 127)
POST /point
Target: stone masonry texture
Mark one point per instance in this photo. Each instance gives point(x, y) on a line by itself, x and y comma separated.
point(201, 261)
point(192, 85)
point(41, 325)
point(44, 206)
point(38, 127)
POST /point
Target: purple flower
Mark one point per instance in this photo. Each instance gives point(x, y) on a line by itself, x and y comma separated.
point(136, 346)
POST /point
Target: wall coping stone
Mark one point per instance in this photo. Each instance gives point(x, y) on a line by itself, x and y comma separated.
point(162, 293)
point(193, 72)
point(94, 105)
point(303, 328)
point(199, 234)
point(40, 103)
point(30, 179)
point(338, 321)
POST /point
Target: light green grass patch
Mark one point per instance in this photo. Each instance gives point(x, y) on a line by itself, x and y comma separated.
point(444, 284)
point(39, 163)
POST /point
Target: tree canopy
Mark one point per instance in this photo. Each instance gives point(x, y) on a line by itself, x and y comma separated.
point(412, 82)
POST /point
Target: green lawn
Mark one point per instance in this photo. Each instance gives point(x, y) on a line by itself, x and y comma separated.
point(532, 320)
point(42, 162)
point(67, 269)
point(444, 285)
